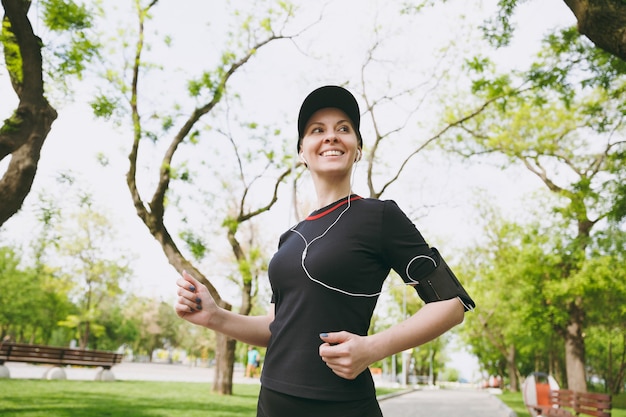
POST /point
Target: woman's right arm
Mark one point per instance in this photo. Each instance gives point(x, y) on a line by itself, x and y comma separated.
point(196, 305)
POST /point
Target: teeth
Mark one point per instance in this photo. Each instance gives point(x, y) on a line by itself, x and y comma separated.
point(332, 153)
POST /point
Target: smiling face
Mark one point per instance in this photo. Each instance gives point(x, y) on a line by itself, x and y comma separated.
point(330, 143)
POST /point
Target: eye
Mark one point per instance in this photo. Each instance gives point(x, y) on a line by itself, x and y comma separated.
point(316, 130)
point(344, 128)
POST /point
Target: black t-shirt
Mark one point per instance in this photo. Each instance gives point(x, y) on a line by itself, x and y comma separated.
point(350, 262)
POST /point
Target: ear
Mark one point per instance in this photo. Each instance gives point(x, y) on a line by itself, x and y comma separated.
point(302, 158)
point(358, 155)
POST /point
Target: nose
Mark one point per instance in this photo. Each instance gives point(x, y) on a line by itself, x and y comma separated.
point(330, 137)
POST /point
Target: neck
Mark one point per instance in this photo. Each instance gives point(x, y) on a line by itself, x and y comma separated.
point(331, 187)
point(329, 194)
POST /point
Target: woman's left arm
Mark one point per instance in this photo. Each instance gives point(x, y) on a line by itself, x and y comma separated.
point(348, 354)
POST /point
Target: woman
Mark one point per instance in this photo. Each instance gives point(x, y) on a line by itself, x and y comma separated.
point(326, 277)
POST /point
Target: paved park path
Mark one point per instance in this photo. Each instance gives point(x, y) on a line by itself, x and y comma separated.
point(464, 402)
point(424, 402)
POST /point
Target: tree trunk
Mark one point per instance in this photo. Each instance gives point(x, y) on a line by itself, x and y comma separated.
point(84, 339)
point(603, 22)
point(507, 351)
point(224, 364)
point(616, 370)
point(575, 351)
point(512, 369)
point(22, 136)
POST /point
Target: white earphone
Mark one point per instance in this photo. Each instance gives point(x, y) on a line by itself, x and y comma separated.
point(302, 158)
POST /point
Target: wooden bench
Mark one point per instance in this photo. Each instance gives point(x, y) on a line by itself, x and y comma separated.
point(59, 356)
point(568, 403)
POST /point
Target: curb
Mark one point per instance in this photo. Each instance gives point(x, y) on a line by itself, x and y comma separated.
point(506, 408)
point(397, 394)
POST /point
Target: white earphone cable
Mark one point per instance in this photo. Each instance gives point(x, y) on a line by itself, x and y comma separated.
point(330, 287)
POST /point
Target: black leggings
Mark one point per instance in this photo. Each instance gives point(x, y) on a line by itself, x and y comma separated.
point(276, 404)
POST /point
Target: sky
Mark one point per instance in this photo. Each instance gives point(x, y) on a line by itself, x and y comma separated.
point(273, 85)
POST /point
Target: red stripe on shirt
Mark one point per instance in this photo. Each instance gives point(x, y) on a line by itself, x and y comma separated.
point(335, 207)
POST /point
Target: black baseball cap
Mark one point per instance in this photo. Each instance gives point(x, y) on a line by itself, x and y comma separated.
point(329, 96)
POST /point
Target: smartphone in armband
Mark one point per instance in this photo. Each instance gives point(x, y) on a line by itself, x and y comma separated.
point(441, 284)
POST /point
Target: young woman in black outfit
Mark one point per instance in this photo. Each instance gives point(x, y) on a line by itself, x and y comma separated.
point(326, 277)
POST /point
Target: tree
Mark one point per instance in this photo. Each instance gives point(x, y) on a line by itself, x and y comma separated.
point(14, 301)
point(31, 300)
point(606, 353)
point(516, 273)
point(206, 92)
point(563, 121)
point(153, 323)
point(97, 271)
point(54, 287)
point(23, 134)
point(142, 316)
point(119, 329)
point(512, 332)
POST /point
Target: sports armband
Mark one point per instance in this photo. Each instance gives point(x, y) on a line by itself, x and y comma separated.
point(442, 284)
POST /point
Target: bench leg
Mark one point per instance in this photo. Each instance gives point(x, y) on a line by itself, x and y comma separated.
point(55, 372)
point(105, 375)
point(4, 372)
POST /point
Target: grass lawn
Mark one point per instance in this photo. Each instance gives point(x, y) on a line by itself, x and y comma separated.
point(43, 398)
point(515, 401)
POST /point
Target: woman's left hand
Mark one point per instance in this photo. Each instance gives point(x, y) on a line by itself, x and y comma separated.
point(345, 353)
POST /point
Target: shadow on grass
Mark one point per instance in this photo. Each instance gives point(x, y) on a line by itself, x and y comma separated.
point(35, 398)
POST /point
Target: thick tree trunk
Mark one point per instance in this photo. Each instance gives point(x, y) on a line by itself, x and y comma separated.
point(603, 22)
point(224, 364)
point(575, 351)
point(22, 136)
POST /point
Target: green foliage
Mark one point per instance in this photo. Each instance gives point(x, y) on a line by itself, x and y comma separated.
point(524, 278)
point(618, 212)
point(559, 118)
point(572, 53)
point(414, 7)
point(567, 65)
point(71, 44)
point(118, 329)
point(12, 124)
point(231, 224)
point(63, 15)
point(52, 305)
point(510, 274)
point(12, 54)
point(498, 30)
point(17, 286)
point(96, 271)
point(195, 244)
point(31, 301)
point(167, 123)
point(606, 346)
point(74, 59)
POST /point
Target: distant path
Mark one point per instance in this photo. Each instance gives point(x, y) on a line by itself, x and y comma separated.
point(444, 403)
